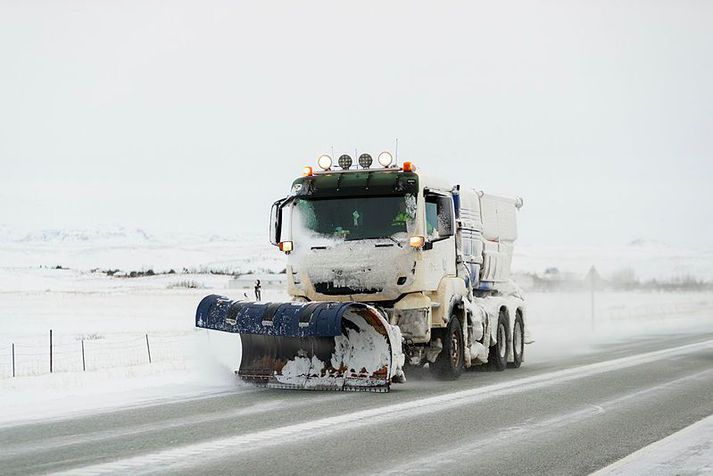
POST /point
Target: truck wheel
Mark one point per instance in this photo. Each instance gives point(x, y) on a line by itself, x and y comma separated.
point(498, 357)
point(450, 362)
point(518, 342)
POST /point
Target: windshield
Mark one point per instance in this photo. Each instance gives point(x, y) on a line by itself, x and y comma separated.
point(357, 218)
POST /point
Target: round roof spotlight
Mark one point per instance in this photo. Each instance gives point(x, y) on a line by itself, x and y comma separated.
point(385, 159)
point(365, 161)
point(324, 162)
point(345, 161)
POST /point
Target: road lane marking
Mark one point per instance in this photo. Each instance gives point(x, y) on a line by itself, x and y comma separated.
point(195, 454)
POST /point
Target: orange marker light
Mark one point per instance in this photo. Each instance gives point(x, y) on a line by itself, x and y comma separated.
point(409, 167)
point(416, 241)
point(286, 246)
point(307, 171)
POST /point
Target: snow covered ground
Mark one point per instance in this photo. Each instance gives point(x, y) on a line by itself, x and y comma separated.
point(112, 317)
point(113, 320)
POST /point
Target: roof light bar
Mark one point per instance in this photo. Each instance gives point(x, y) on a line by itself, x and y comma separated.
point(385, 159)
point(345, 162)
point(324, 162)
point(365, 161)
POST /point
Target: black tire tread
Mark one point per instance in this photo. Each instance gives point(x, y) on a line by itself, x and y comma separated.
point(442, 368)
point(518, 357)
point(494, 360)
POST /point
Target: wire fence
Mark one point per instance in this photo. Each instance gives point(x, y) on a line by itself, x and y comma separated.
point(56, 352)
point(31, 356)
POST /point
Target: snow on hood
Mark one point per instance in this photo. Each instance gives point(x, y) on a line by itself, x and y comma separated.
point(357, 265)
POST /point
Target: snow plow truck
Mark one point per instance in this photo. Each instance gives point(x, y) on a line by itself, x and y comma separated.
point(387, 268)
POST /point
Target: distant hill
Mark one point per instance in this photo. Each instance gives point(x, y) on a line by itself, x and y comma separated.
point(137, 248)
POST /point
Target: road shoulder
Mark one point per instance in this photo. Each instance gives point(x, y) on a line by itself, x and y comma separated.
point(688, 451)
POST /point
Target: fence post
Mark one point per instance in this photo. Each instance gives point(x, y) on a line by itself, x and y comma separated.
point(148, 347)
point(84, 362)
point(13, 359)
point(593, 278)
point(50, 350)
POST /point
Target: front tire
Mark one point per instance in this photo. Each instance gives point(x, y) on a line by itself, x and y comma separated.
point(498, 356)
point(450, 362)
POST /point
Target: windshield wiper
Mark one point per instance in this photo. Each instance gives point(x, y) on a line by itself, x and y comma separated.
point(398, 243)
point(391, 238)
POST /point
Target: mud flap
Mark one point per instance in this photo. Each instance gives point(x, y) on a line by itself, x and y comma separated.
point(317, 345)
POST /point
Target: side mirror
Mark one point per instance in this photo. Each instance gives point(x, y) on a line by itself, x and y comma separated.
point(440, 217)
point(276, 221)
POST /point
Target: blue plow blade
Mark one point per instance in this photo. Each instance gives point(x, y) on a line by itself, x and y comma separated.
point(314, 345)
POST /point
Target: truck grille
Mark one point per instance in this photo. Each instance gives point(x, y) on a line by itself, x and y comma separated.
point(331, 290)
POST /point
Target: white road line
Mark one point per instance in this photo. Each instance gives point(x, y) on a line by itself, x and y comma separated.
point(199, 453)
point(688, 451)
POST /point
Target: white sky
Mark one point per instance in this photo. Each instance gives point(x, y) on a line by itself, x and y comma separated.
point(195, 116)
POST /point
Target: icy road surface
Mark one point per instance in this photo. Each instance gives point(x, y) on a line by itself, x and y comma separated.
point(565, 414)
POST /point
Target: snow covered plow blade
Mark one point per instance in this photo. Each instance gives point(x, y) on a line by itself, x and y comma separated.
point(316, 345)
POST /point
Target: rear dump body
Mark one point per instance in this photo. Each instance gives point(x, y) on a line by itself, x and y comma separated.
point(316, 346)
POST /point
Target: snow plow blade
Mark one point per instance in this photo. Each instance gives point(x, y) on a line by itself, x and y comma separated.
point(315, 345)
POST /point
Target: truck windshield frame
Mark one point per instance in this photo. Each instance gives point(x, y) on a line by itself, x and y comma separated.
point(354, 218)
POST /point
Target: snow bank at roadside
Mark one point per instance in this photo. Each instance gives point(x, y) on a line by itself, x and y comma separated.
point(689, 451)
point(205, 367)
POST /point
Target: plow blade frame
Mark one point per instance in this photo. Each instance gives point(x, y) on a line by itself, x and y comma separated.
point(315, 345)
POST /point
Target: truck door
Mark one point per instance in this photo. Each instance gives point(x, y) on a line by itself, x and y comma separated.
point(440, 248)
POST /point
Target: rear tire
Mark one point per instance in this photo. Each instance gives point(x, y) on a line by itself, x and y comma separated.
point(450, 362)
point(498, 356)
point(518, 342)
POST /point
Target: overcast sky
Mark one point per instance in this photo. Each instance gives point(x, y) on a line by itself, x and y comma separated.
point(195, 116)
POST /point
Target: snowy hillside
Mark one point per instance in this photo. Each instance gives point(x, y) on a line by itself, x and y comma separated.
point(136, 249)
point(647, 259)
